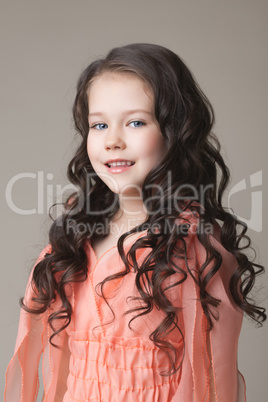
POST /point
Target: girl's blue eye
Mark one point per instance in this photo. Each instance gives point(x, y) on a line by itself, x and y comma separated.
point(100, 125)
point(140, 123)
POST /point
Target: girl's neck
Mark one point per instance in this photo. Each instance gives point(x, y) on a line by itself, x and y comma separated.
point(130, 214)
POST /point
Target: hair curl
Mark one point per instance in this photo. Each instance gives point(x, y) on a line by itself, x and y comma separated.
point(186, 118)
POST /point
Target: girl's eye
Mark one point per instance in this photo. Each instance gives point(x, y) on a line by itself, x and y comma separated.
point(137, 123)
point(99, 126)
point(102, 126)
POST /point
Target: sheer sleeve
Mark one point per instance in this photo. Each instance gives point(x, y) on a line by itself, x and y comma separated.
point(209, 369)
point(22, 381)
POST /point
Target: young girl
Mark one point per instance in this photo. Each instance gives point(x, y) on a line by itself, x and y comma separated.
point(140, 293)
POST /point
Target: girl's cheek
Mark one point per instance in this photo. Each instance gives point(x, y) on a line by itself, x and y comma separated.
point(89, 143)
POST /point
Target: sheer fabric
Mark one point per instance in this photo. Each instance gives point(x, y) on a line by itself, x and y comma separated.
point(101, 359)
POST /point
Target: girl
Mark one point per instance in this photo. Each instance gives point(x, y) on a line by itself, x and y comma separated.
point(140, 293)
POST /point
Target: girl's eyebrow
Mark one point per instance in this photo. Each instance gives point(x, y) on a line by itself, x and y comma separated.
point(126, 112)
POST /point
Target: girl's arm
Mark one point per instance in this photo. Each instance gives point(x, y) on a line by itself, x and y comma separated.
point(209, 368)
point(22, 382)
point(63, 373)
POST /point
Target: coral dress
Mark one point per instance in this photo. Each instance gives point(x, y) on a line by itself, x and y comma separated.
point(113, 363)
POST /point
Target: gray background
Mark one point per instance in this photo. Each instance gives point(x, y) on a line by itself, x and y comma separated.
point(44, 47)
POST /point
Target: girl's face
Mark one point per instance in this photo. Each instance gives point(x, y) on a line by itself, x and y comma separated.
point(124, 140)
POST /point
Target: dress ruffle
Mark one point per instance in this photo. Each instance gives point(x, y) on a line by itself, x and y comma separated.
point(108, 361)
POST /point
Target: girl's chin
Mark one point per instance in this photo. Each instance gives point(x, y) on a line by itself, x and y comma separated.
point(127, 193)
point(133, 190)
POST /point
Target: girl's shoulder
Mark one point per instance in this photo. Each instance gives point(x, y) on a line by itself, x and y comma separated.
point(46, 250)
point(196, 227)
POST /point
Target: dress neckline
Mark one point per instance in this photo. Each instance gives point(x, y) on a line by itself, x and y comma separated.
point(126, 241)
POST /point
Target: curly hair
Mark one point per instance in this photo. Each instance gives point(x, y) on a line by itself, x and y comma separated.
point(186, 118)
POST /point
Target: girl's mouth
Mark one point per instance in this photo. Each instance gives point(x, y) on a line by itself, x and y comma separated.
point(118, 166)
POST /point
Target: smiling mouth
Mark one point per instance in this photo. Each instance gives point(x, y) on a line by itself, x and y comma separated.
point(119, 163)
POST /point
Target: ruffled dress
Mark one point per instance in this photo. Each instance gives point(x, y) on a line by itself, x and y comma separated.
point(100, 358)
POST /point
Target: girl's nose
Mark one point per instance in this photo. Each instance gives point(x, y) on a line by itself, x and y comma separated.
point(114, 140)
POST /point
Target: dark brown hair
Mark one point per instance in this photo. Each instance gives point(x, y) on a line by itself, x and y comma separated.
point(186, 118)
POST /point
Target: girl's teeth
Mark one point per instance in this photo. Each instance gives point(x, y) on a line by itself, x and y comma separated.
point(119, 163)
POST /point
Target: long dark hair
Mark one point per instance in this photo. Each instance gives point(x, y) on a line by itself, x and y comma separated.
point(186, 118)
